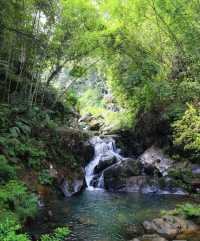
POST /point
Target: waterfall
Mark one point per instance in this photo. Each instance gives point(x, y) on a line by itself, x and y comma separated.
point(104, 148)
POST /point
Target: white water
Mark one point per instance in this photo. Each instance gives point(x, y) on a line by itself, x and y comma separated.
point(102, 147)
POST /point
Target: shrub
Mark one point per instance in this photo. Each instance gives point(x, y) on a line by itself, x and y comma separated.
point(59, 235)
point(15, 196)
point(187, 132)
point(9, 231)
point(25, 149)
point(45, 178)
point(6, 171)
point(190, 211)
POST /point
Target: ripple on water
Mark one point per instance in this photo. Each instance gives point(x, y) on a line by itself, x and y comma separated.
point(101, 216)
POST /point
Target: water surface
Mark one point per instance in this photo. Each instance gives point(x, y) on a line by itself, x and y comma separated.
point(102, 216)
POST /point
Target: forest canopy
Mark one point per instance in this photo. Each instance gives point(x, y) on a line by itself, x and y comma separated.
point(147, 53)
point(132, 64)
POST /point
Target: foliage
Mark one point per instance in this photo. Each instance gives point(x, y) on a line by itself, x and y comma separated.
point(26, 150)
point(71, 98)
point(94, 102)
point(45, 178)
point(6, 171)
point(39, 39)
point(15, 194)
point(187, 134)
point(189, 210)
point(9, 231)
point(148, 53)
point(59, 235)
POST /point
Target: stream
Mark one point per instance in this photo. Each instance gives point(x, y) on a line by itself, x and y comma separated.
point(101, 216)
point(98, 215)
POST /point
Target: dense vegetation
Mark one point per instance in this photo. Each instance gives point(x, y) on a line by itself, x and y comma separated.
point(140, 58)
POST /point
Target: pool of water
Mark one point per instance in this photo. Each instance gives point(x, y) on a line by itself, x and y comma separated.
point(102, 216)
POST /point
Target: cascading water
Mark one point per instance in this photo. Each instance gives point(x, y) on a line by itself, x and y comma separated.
point(102, 171)
point(104, 147)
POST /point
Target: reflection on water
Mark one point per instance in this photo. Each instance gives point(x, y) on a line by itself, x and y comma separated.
point(101, 216)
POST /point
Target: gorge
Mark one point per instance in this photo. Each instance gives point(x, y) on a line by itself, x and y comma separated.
point(99, 120)
point(113, 210)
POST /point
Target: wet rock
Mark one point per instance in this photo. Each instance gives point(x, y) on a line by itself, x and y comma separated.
point(88, 151)
point(133, 231)
point(169, 226)
point(143, 184)
point(150, 237)
point(87, 221)
point(70, 188)
point(94, 182)
point(153, 159)
point(192, 236)
point(86, 118)
point(105, 161)
point(196, 184)
point(95, 125)
point(115, 177)
point(196, 169)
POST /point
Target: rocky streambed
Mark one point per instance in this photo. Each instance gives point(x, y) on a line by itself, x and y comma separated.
point(170, 227)
point(151, 172)
point(119, 194)
point(99, 215)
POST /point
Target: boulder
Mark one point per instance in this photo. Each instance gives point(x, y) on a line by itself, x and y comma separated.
point(150, 237)
point(196, 169)
point(169, 226)
point(95, 125)
point(116, 175)
point(86, 118)
point(133, 230)
point(143, 184)
point(72, 187)
point(88, 151)
point(154, 160)
point(105, 161)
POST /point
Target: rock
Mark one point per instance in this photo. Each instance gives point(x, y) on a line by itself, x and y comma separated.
point(85, 118)
point(105, 161)
point(88, 151)
point(142, 184)
point(196, 169)
point(52, 171)
point(70, 188)
point(95, 125)
point(150, 237)
point(169, 226)
point(133, 231)
point(196, 184)
point(109, 129)
point(153, 159)
point(87, 221)
point(95, 181)
point(116, 175)
point(193, 236)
